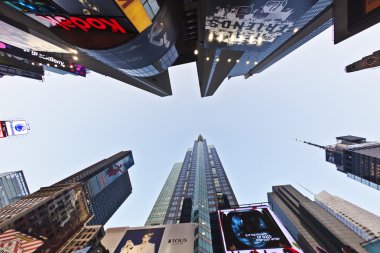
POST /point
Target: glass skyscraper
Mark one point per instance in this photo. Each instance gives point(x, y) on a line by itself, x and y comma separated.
point(12, 187)
point(193, 192)
point(107, 185)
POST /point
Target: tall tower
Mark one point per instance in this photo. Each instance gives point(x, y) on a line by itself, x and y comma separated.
point(107, 185)
point(193, 192)
point(358, 158)
point(12, 187)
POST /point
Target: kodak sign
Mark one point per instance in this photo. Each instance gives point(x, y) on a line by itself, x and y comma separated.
point(136, 13)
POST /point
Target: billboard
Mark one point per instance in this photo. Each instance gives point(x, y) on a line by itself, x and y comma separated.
point(251, 22)
point(99, 182)
point(172, 238)
point(18, 127)
point(352, 17)
point(12, 241)
point(35, 6)
point(255, 229)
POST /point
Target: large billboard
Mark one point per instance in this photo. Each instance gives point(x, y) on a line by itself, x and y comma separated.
point(352, 17)
point(173, 238)
point(99, 182)
point(13, 128)
point(12, 241)
point(251, 22)
point(255, 229)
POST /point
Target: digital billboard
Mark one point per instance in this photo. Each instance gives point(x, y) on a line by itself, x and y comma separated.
point(172, 238)
point(35, 6)
point(12, 241)
point(251, 22)
point(255, 229)
point(99, 182)
point(18, 127)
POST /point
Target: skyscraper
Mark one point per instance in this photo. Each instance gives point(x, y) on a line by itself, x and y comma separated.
point(193, 192)
point(107, 185)
point(315, 229)
point(358, 158)
point(365, 224)
point(12, 187)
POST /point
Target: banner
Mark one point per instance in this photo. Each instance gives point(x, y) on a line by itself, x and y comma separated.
point(99, 182)
point(16, 127)
point(12, 241)
point(255, 229)
point(251, 22)
point(174, 238)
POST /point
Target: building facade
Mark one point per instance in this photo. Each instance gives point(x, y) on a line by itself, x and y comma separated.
point(13, 187)
point(358, 158)
point(365, 224)
point(193, 192)
point(52, 214)
point(106, 184)
point(315, 229)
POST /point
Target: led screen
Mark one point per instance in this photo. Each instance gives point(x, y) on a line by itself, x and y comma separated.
point(90, 7)
point(97, 183)
point(255, 228)
point(35, 6)
point(251, 22)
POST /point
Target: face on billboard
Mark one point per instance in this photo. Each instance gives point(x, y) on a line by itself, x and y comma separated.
point(252, 22)
point(16, 127)
point(141, 240)
point(255, 228)
point(97, 183)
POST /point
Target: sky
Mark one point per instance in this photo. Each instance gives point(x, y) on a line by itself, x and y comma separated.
point(253, 122)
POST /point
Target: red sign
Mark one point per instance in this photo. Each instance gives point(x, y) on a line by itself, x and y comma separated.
point(14, 241)
point(370, 5)
point(85, 24)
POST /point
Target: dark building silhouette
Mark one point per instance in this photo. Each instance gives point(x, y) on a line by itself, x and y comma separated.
point(193, 192)
point(107, 185)
point(358, 158)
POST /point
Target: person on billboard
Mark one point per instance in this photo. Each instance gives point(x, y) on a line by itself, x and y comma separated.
point(144, 247)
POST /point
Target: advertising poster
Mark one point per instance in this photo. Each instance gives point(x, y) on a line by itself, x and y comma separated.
point(3, 129)
point(12, 241)
point(33, 6)
point(16, 127)
point(97, 183)
point(174, 238)
point(105, 8)
point(257, 229)
point(252, 22)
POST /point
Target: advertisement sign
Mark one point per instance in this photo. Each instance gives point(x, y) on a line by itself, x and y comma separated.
point(371, 5)
point(16, 127)
point(136, 13)
point(35, 6)
point(16, 37)
point(172, 238)
point(12, 241)
point(7, 70)
point(257, 229)
point(3, 129)
point(251, 22)
point(99, 182)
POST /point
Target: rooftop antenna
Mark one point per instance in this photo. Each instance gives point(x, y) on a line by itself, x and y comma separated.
point(311, 144)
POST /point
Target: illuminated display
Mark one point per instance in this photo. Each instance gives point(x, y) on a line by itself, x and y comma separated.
point(371, 5)
point(99, 182)
point(104, 8)
point(136, 13)
point(255, 228)
point(39, 6)
point(252, 22)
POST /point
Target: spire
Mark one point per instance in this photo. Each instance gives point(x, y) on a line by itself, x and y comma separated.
point(312, 144)
point(200, 138)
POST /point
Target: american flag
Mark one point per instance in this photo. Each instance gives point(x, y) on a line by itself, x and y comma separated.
point(12, 241)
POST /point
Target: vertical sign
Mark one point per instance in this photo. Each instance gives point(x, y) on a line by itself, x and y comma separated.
point(136, 13)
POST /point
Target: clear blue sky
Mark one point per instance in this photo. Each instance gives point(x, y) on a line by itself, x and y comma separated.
point(76, 121)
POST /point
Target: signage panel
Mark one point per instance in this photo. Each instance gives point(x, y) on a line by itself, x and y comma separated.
point(172, 238)
point(136, 13)
point(251, 22)
point(255, 228)
point(16, 127)
point(371, 5)
point(16, 37)
point(99, 182)
point(11, 71)
point(35, 6)
point(12, 241)
point(3, 128)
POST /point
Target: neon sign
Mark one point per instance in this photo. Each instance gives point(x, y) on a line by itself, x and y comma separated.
point(85, 24)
